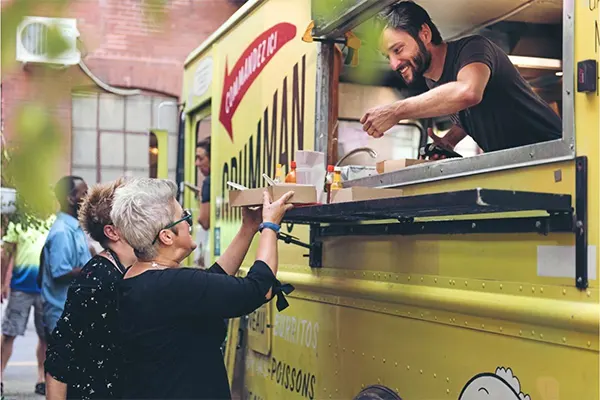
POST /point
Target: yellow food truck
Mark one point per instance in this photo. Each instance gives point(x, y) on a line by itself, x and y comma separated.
point(479, 282)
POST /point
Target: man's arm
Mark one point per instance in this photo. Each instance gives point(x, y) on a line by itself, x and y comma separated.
point(8, 258)
point(450, 98)
point(204, 217)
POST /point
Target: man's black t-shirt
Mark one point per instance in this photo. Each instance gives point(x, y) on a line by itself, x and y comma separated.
point(205, 194)
point(510, 114)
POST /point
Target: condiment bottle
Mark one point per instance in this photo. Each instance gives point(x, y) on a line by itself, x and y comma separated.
point(291, 176)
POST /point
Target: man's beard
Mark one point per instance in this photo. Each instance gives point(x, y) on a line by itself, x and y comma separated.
point(422, 62)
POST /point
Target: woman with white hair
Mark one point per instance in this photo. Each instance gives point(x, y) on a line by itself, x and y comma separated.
point(171, 318)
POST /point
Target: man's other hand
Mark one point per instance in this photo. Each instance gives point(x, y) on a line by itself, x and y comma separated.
point(448, 141)
point(378, 120)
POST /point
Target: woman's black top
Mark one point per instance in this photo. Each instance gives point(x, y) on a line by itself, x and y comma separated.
point(172, 328)
point(83, 350)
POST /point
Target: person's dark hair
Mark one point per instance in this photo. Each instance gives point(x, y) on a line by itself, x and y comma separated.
point(205, 144)
point(94, 213)
point(409, 17)
point(64, 187)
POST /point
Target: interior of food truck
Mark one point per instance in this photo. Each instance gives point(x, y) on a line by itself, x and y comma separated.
point(530, 32)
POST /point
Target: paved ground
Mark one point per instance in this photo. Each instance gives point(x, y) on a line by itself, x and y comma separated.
point(21, 372)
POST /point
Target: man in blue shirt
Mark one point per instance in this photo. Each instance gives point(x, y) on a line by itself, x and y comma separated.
point(65, 252)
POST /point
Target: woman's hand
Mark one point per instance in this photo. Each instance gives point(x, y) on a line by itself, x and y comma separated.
point(273, 211)
point(251, 219)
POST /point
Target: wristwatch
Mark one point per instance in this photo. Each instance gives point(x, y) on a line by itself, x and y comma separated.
point(269, 225)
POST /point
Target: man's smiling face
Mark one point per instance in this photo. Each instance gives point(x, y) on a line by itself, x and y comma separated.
point(408, 56)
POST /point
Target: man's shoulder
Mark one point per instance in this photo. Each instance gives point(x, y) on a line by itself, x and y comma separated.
point(462, 43)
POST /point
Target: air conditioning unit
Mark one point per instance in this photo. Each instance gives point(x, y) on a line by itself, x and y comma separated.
point(33, 42)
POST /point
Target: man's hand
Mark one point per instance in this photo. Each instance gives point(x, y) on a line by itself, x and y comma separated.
point(448, 141)
point(378, 120)
point(251, 219)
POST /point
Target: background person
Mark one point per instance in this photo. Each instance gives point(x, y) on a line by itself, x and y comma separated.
point(20, 256)
point(171, 318)
point(84, 351)
point(65, 251)
point(203, 165)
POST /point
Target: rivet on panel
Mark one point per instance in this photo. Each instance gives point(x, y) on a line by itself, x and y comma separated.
point(589, 293)
point(384, 360)
point(336, 372)
point(532, 289)
point(435, 317)
point(420, 371)
point(466, 283)
point(435, 280)
point(362, 386)
point(336, 390)
point(532, 333)
point(352, 351)
point(373, 357)
point(541, 335)
point(409, 277)
point(409, 313)
point(501, 329)
point(363, 354)
point(408, 367)
point(564, 291)
point(589, 343)
point(450, 282)
point(520, 332)
point(447, 391)
point(395, 364)
point(421, 279)
point(448, 380)
point(329, 344)
point(564, 340)
point(501, 286)
point(434, 376)
point(483, 285)
point(344, 349)
point(378, 380)
point(330, 396)
point(422, 315)
point(541, 290)
point(482, 326)
point(521, 288)
point(466, 323)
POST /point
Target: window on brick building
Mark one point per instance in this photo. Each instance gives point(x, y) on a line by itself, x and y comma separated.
point(111, 135)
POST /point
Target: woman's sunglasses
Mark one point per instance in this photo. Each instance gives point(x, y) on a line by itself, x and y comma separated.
point(185, 216)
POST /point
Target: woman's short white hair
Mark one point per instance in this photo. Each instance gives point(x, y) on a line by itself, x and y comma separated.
point(141, 209)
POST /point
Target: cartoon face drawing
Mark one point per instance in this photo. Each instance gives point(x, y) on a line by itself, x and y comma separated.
point(501, 385)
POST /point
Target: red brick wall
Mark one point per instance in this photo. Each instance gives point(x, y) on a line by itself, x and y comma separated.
point(122, 50)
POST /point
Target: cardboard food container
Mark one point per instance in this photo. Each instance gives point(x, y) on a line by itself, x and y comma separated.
point(394, 165)
point(358, 193)
point(303, 194)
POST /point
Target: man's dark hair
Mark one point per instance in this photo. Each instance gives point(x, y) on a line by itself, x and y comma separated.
point(205, 144)
point(65, 186)
point(409, 17)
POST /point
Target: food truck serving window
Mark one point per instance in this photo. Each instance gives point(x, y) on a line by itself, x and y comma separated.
point(538, 38)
